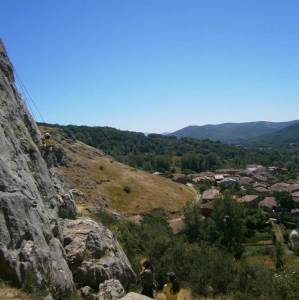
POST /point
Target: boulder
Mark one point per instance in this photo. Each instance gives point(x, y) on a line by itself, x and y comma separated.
point(111, 290)
point(31, 254)
point(67, 208)
point(87, 293)
point(94, 255)
point(135, 296)
point(78, 195)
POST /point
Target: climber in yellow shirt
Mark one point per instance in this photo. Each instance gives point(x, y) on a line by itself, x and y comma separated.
point(171, 288)
point(47, 142)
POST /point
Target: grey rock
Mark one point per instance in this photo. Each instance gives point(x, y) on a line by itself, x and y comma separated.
point(94, 255)
point(66, 207)
point(55, 157)
point(135, 296)
point(32, 205)
point(111, 290)
point(30, 250)
point(87, 293)
point(78, 195)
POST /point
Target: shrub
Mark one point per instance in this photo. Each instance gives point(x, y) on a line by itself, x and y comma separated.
point(253, 282)
point(286, 285)
point(32, 148)
point(286, 236)
point(105, 218)
point(259, 250)
point(127, 189)
point(296, 250)
point(193, 221)
point(278, 255)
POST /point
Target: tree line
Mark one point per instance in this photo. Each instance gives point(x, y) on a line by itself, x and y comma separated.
point(156, 152)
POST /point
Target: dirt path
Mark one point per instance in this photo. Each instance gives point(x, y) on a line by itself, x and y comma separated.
point(198, 195)
point(279, 237)
point(278, 232)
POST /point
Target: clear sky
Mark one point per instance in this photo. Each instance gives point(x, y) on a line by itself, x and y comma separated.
point(156, 65)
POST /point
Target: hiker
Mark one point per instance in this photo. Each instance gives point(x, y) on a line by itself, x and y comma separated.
point(147, 279)
point(171, 288)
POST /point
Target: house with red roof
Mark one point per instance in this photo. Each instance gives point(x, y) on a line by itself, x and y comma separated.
point(250, 201)
point(269, 204)
point(210, 195)
point(280, 187)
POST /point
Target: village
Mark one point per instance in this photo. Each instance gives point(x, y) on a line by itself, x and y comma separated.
point(256, 187)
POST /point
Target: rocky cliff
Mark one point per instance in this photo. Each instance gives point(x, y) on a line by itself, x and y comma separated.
point(32, 250)
point(105, 259)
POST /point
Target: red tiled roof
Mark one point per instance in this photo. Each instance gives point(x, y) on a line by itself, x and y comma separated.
point(281, 186)
point(203, 178)
point(247, 198)
point(269, 202)
point(261, 189)
point(294, 188)
point(261, 184)
point(246, 180)
point(296, 194)
point(210, 194)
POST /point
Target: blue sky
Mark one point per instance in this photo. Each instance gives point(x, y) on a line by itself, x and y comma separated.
point(156, 65)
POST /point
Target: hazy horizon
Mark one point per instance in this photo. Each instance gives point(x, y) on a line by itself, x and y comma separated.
point(156, 66)
point(168, 131)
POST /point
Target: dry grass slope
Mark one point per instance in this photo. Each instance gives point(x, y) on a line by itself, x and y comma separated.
point(126, 189)
point(10, 293)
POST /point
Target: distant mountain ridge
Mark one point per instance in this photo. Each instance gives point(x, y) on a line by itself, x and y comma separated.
point(288, 136)
point(233, 132)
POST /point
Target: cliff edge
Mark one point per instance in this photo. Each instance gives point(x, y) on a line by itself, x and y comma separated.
point(32, 233)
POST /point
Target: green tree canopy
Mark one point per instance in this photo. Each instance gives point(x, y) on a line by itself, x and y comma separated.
point(227, 226)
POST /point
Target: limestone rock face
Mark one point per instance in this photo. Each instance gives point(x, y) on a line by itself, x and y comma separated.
point(41, 241)
point(30, 250)
point(67, 207)
point(94, 255)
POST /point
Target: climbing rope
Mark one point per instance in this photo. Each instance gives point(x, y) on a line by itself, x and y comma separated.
point(27, 96)
point(24, 100)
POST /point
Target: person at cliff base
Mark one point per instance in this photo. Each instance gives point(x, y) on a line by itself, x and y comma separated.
point(147, 279)
point(171, 288)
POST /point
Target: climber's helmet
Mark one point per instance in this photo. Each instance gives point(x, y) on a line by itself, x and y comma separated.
point(47, 136)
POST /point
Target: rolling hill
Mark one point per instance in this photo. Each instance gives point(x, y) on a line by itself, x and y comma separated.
point(168, 154)
point(120, 187)
point(156, 152)
point(232, 132)
point(285, 137)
